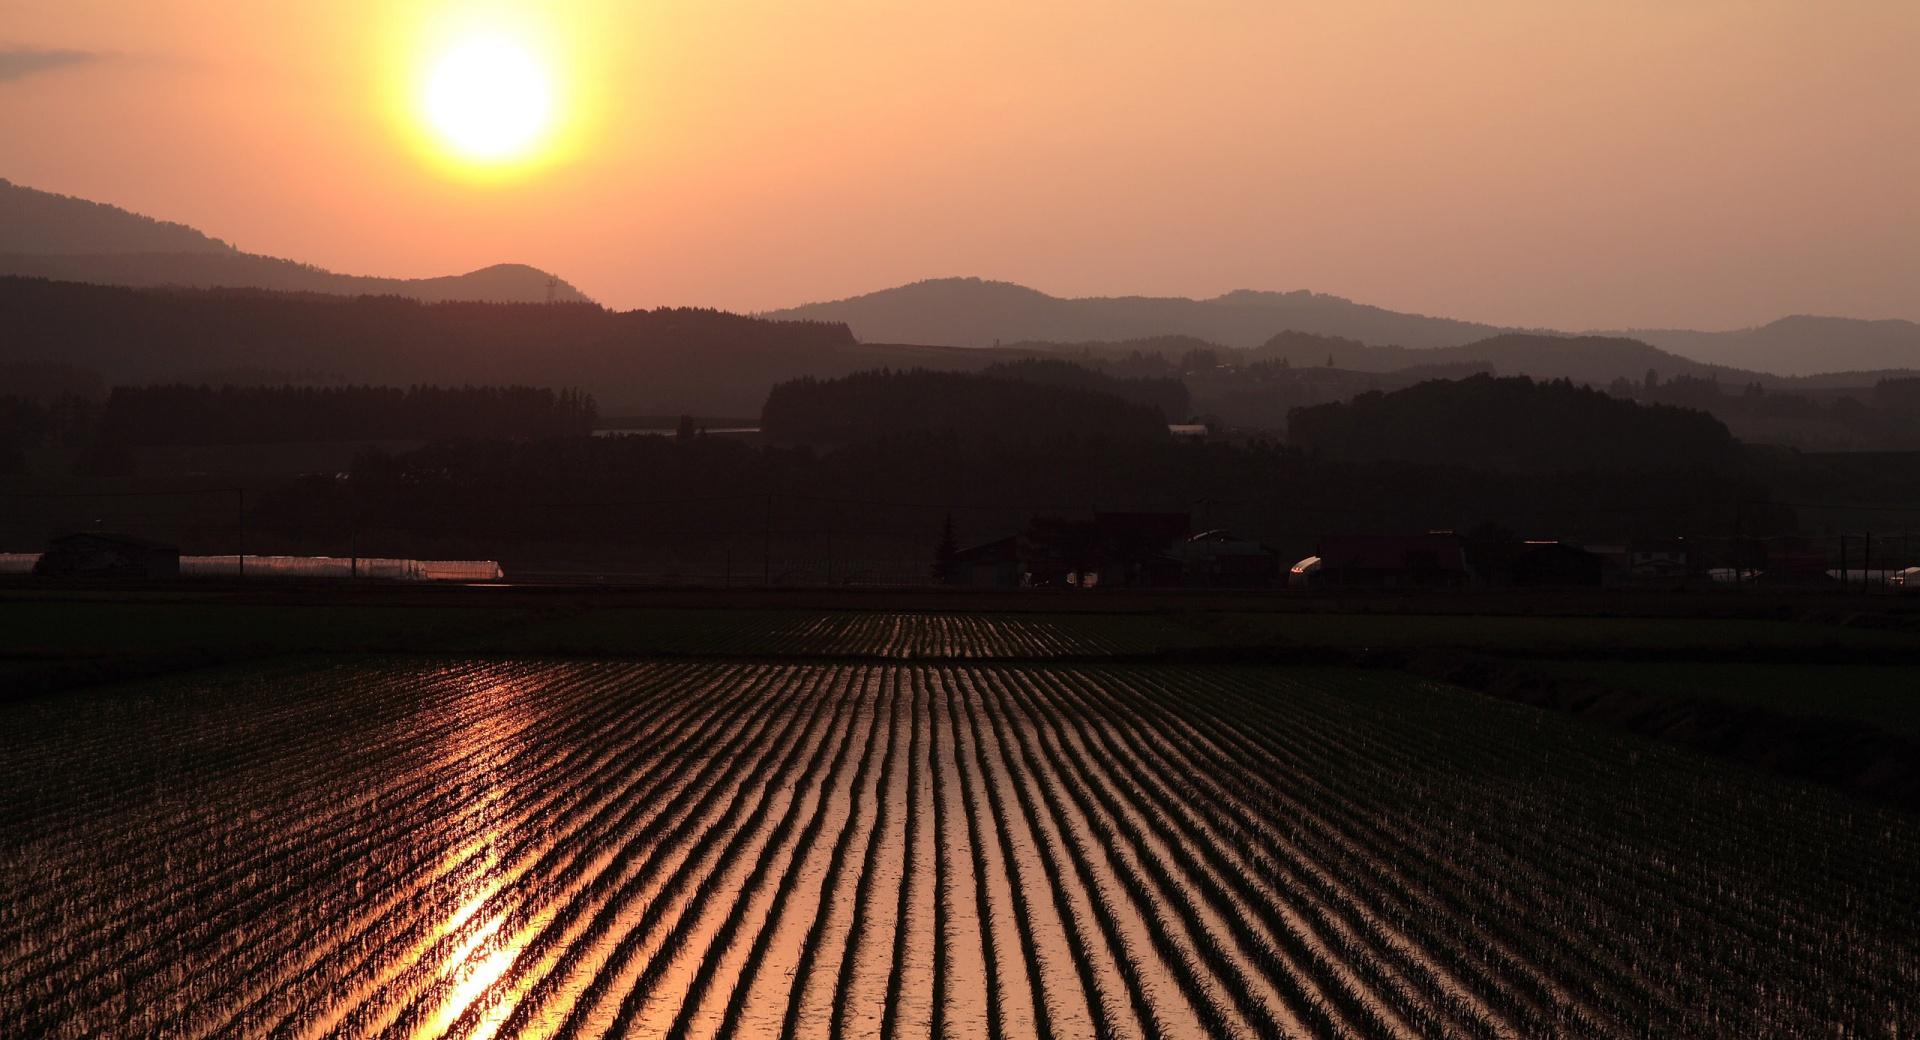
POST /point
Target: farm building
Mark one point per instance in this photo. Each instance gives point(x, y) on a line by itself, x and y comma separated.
point(993, 565)
point(1219, 559)
point(1658, 560)
point(1556, 564)
point(1796, 570)
point(1433, 560)
point(1111, 549)
point(95, 555)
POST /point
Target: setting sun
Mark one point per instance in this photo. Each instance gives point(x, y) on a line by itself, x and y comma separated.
point(488, 100)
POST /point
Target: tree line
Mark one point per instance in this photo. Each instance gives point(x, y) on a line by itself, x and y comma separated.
point(1511, 423)
point(182, 414)
point(881, 403)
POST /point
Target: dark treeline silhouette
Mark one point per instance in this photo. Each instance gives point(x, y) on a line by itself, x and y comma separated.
point(639, 492)
point(181, 414)
point(868, 405)
point(50, 380)
point(30, 423)
point(1513, 424)
point(665, 361)
point(1164, 392)
point(1882, 416)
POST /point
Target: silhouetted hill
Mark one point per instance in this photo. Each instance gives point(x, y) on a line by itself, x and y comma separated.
point(666, 360)
point(970, 312)
point(1516, 424)
point(33, 221)
point(1166, 394)
point(1800, 345)
point(43, 235)
point(1584, 359)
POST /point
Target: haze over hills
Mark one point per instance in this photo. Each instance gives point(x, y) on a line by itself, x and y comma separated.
point(1799, 345)
point(44, 235)
point(971, 312)
point(648, 362)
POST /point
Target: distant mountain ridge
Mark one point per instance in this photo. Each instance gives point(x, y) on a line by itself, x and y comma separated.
point(44, 235)
point(41, 222)
point(973, 312)
point(1799, 344)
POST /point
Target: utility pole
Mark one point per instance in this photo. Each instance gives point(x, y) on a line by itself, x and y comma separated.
point(1866, 563)
point(1738, 528)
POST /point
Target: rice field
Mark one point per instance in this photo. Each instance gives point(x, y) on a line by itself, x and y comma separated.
point(406, 847)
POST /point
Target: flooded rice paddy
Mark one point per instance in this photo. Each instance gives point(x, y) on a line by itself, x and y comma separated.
point(477, 848)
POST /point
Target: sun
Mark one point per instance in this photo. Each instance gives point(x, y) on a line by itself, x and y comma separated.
point(488, 100)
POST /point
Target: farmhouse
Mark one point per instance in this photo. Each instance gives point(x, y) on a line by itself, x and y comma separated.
point(1437, 559)
point(1658, 560)
point(1219, 559)
point(992, 565)
point(95, 555)
point(1557, 564)
point(1110, 549)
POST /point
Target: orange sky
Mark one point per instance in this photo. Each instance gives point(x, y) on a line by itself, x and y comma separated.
point(1711, 163)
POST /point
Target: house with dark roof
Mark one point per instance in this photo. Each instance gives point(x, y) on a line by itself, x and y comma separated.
point(96, 555)
point(1437, 559)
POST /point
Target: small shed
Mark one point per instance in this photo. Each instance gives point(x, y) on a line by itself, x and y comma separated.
point(96, 555)
point(994, 564)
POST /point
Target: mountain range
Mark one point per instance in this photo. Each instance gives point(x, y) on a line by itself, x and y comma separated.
point(44, 235)
point(57, 237)
point(973, 312)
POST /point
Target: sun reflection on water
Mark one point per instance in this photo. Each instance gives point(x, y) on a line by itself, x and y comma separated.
point(472, 968)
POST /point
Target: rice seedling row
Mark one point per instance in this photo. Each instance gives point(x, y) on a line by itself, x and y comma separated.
point(423, 848)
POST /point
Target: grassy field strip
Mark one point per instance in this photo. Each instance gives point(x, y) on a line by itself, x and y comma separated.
point(413, 848)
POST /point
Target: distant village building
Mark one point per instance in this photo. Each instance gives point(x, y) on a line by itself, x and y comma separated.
point(1658, 560)
point(1219, 559)
point(1433, 560)
point(1135, 550)
point(1557, 564)
point(95, 555)
point(1796, 569)
point(993, 565)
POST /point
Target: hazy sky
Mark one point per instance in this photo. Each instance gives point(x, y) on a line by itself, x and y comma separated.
point(1712, 163)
